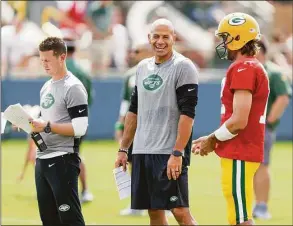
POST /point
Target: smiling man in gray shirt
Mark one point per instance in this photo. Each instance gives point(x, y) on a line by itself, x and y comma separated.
point(160, 120)
point(64, 119)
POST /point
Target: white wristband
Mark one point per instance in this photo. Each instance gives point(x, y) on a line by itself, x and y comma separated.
point(223, 133)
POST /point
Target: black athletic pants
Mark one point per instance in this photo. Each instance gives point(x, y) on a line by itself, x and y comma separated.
point(57, 190)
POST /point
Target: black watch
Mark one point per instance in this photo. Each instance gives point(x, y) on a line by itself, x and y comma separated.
point(177, 153)
point(47, 128)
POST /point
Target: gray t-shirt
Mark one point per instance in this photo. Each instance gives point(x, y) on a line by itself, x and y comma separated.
point(157, 109)
point(56, 97)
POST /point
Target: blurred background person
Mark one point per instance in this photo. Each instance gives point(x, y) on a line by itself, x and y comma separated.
point(69, 37)
point(34, 11)
point(137, 53)
point(18, 43)
point(279, 97)
point(119, 41)
point(99, 16)
point(21, 35)
point(30, 156)
point(75, 11)
point(6, 17)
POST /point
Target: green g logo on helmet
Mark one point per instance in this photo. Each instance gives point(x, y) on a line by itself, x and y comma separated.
point(152, 82)
point(237, 20)
point(48, 101)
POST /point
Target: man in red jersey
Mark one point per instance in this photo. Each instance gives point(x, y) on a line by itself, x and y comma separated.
point(239, 142)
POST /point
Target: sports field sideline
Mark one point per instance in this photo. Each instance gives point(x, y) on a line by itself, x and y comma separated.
point(19, 204)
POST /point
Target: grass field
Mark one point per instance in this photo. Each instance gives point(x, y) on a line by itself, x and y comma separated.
point(19, 206)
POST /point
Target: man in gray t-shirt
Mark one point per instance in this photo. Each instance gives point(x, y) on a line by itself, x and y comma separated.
point(160, 120)
point(64, 119)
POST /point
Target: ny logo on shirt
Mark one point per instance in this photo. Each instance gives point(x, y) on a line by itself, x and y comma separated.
point(47, 101)
point(152, 82)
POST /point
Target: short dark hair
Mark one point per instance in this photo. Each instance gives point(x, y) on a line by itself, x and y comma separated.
point(251, 48)
point(53, 43)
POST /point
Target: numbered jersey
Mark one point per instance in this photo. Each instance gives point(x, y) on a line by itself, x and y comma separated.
point(248, 145)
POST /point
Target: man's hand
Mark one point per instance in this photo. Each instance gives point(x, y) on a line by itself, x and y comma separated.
point(196, 144)
point(207, 144)
point(121, 160)
point(174, 167)
point(38, 125)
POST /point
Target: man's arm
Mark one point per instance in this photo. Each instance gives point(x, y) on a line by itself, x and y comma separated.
point(243, 85)
point(283, 91)
point(75, 128)
point(241, 107)
point(187, 96)
point(238, 121)
point(184, 131)
point(129, 130)
point(130, 121)
point(65, 129)
point(128, 135)
point(278, 108)
point(242, 101)
point(77, 106)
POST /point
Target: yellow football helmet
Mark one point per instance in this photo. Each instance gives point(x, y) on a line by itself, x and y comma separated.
point(236, 29)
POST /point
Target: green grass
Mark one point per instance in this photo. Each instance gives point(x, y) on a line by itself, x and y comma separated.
point(19, 206)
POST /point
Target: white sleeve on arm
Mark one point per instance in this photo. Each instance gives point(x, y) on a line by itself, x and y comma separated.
point(77, 106)
point(79, 126)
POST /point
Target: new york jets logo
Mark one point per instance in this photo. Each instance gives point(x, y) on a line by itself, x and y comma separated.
point(64, 207)
point(173, 198)
point(237, 20)
point(48, 101)
point(152, 82)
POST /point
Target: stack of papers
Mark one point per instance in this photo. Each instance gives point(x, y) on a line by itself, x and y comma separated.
point(123, 182)
point(18, 117)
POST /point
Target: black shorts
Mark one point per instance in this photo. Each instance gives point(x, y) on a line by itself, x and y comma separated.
point(150, 186)
point(57, 190)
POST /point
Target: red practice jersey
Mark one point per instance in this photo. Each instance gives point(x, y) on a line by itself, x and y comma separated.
point(248, 145)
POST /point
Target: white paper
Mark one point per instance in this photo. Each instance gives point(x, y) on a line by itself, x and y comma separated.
point(3, 122)
point(18, 117)
point(123, 182)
